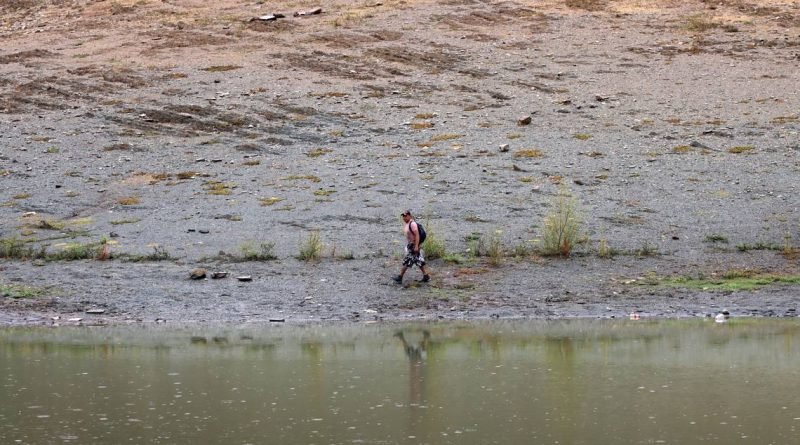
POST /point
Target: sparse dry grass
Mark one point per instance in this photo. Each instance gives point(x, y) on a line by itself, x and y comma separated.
point(529, 153)
point(219, 188)
point(317, 152)
point(311, 178)
point(781, 120)
point(741, 149)
point(129, 200)
point(699, 23)
point(329, 94)
point(588, 5)
point(351, 18)
point(221, 68)
point(470, 271)
point(445, 137)
point(266, 202)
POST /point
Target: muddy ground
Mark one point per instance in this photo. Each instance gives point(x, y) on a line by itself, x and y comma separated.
point(188, 134)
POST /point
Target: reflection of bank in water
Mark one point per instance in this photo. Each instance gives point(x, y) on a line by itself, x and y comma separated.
point(415, 344)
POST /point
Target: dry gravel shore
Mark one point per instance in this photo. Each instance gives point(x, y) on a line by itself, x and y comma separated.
point(184, 129)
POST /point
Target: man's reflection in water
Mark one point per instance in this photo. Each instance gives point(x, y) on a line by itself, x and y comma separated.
point(417, 353)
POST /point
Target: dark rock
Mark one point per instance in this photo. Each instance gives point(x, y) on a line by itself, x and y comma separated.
point(245, 278)
point(218, 275)
point(524, 121)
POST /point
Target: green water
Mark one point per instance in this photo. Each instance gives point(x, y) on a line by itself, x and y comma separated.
point(566, 382)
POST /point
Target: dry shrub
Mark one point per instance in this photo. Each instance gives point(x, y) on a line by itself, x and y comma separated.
point(587, 5)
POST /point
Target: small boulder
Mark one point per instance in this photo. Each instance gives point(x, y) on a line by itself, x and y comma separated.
point(524, 121)
point(198, 274)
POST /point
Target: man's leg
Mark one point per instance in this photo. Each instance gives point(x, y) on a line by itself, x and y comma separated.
point(425, 276)
point(399, 278)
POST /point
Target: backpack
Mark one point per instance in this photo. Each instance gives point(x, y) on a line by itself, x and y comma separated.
point(421, 230)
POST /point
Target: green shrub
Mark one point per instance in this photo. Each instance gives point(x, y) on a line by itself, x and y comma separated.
point(604, 250)
point(521, 250)
point(264, 252)
point(561, 225)
point(158, 254)
point(647, 250)
point(434, 246)
point(492, 247)
point(75, 252)
point(311, 247)
point(13, 248)
point(18, 291)
point(454, 258)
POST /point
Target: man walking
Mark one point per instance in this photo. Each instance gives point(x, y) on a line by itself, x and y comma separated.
point(413, 253)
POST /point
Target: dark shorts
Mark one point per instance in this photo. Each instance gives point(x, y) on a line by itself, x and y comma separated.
point(411, 260)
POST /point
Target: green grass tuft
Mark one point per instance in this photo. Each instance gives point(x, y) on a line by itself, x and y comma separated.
point(733, 281)
point(311, 247)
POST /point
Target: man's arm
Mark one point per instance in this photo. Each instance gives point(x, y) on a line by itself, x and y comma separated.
point(414, 231)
